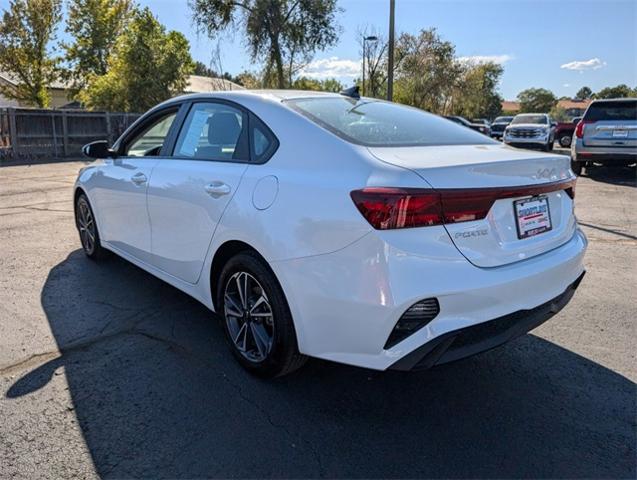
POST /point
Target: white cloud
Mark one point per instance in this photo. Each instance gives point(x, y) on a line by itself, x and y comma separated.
point(499, 59)
point(332, 67)
point(566, 85)
point(581, 65)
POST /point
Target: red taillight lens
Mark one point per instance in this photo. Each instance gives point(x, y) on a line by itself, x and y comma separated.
point(387, 208)
point(579, 129)
point(390, 208)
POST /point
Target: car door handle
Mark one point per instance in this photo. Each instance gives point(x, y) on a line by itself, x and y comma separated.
point(217, 189)
point(139, 178)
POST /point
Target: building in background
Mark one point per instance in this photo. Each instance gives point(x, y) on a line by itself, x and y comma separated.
point(573, 108)
point(59, 90)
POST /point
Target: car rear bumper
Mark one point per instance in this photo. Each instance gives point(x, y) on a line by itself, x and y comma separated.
point(468, 341)
point(607, 158)
point(345, 304)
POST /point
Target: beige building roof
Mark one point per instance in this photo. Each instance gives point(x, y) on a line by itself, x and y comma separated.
point(510, 106)
point(199, 84)
point(568, 104)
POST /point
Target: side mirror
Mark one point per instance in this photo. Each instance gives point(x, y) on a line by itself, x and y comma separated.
point(98, 149)
point(553, 124)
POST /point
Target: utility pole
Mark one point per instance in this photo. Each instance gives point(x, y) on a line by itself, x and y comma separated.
point(390, 60)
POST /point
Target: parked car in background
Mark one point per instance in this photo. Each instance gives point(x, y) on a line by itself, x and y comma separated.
point(479, 127)
point(481, 121)
point(607, 134)
point(325, 225)
point(564, 132)
point(530, 130)
point(498, 126)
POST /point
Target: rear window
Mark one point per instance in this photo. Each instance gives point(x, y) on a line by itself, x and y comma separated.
point(624, 110)
point(375, 123)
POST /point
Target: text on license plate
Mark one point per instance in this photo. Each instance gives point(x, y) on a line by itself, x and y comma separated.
point(532, 216)
point(620, 133)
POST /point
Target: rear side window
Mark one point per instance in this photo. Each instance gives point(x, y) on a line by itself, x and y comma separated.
point(622, 110)
point(264, 143)
point(376, 123)
point(214, 131)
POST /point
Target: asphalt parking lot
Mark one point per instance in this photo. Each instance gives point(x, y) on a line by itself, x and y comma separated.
point(106, 371)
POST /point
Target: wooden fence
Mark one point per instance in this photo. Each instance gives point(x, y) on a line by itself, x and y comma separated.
point(30, 133)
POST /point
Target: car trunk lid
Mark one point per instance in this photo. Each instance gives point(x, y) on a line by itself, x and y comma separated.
point(506, 174)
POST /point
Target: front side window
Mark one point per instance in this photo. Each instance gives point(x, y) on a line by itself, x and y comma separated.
point(376, 123)
point(213, 131)
point(150, 141)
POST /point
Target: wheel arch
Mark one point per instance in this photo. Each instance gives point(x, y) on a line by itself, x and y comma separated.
point(76, 194)
point(225, 252)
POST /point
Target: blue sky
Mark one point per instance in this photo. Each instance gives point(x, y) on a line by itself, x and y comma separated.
point(559, 44)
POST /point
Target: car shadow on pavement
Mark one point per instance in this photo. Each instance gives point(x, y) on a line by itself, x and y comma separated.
point(157, 394)
point(626, 176)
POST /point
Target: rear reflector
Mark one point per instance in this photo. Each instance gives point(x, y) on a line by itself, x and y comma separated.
point(416, 317)
point(387, 208)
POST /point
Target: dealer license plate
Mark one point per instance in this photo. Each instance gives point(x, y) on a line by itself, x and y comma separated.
point(620, 133)
point(532, 216)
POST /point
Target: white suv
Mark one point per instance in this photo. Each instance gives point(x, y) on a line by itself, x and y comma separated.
point(530, 130)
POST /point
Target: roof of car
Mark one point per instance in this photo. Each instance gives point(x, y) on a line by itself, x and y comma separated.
point(615, 99)
point(237, 95)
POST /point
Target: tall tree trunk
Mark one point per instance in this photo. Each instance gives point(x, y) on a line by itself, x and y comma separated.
point(278, 62)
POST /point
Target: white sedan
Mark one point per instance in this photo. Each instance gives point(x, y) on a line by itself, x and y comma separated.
point(332, 226)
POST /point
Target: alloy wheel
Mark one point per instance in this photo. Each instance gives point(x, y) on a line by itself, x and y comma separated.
point(248, 316)
point(86, 225)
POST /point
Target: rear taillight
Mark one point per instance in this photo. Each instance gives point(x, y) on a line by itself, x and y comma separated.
point(579, 129)
point(388, 208)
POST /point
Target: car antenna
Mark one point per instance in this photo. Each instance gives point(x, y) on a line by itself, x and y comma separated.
point(352, 92)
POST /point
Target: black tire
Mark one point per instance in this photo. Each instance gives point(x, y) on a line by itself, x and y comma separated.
point(87, 229)
point(550, 145)
point(282, 355)
point(565, 140)
point(577, 167)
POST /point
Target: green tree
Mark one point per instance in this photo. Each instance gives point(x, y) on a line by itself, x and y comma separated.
point(248, 80)
point(148, 65)
point(559, 114)
point(477, 92)
point(26, 30)
point(327, 85)
point(537, 100)
point(94, 26)
point(427, 72)
point(202, 69)
point(618, 91)
point(286, 33)
point(331, 85)
point(584, 93)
